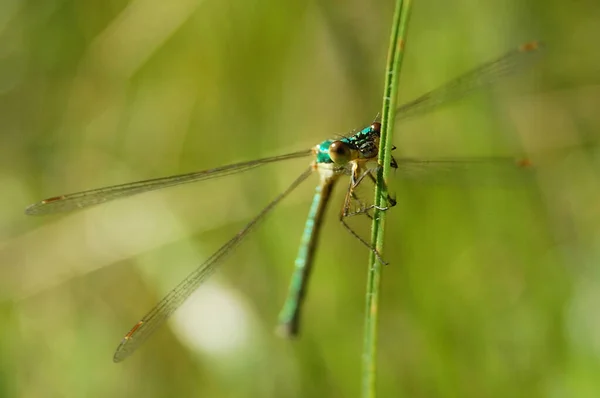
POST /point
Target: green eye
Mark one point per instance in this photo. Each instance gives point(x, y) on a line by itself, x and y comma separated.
point(339, 152)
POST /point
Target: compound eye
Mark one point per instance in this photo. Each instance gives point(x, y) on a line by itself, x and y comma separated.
point(339, 152)
point(376, 127)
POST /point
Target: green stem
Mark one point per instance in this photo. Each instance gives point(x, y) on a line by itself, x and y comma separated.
point(392, 76)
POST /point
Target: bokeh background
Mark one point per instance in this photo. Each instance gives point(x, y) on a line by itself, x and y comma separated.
point(494, 280)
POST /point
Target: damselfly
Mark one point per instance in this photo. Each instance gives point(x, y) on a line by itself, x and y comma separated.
point(355, 155)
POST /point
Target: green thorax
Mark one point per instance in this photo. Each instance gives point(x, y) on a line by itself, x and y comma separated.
point(365, 142)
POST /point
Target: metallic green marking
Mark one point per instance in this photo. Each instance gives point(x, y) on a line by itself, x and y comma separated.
point(323, 152)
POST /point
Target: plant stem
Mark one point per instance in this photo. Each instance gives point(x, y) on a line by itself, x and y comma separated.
point(392, 76)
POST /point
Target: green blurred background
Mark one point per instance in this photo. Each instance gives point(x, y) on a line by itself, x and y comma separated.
point(494, 282)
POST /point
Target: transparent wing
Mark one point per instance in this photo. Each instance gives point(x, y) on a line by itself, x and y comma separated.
point(475, 79)
point(496, 169)
point(159, 314)
point(83, 199)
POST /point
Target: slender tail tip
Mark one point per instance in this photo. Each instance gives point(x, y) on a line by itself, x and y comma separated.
point(287, 330)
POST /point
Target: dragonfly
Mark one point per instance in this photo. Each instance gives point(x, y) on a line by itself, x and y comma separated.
point(354, 155)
